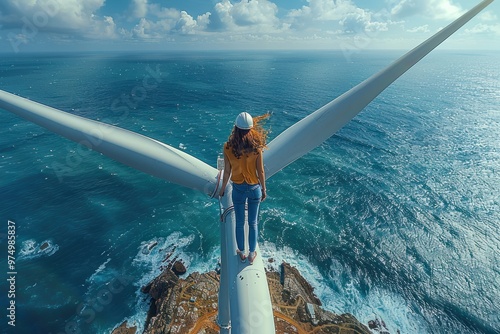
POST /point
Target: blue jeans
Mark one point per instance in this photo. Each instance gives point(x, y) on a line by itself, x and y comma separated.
point(241, 194)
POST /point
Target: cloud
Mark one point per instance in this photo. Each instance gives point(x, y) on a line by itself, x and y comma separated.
point(139, 8)
point(230, 23)
point(435, 9)
point(166, 22)
point(342, 16)
point(246, 15)
point(142, 29)
point(424, 29)
point(360, 21)
point(203, 21)
point(488, 16)
point(108, 27)
point(186, 24)
point(320, 11)
point(482, 28)
point(77, 17)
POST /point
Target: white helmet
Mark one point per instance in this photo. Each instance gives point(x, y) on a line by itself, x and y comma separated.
point(244, 121)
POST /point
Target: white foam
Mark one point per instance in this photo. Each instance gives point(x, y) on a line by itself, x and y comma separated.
point(95, 276)
point(299, 261)
point(151, 263)
point(379, 303)
point(340, 297)
point(392, 309)
point(30, 249)
point(336, 295)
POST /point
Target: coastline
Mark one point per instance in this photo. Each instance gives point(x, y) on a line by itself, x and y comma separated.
point(189, 305)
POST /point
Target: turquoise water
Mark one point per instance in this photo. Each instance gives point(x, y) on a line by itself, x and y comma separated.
point(396, 216)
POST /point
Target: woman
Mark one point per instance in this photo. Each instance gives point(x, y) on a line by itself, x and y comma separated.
point(243, 161)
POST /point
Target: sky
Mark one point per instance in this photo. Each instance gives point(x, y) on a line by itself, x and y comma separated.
point(160, 25)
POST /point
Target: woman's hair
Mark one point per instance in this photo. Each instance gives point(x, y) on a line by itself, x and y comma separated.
point(248, 141)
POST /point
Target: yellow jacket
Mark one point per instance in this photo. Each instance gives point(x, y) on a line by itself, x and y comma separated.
point(243, 169)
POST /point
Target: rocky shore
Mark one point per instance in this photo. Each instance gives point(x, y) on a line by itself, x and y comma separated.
point(189, 305)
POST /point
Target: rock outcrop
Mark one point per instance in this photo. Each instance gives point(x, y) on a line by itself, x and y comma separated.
point(189, 305)
point(298, 310)
point(123, 329)
point(178, 268)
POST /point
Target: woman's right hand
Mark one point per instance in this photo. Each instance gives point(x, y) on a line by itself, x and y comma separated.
point(264, 195)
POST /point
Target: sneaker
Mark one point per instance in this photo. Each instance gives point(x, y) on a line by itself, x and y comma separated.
point(243, 257)
point(251, 257)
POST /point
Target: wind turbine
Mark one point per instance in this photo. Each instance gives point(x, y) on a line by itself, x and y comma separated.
point(244, 300)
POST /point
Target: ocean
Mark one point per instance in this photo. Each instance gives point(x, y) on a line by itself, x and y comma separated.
point(395, 217)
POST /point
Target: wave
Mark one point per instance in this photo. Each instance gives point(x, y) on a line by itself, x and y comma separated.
point(344, 295)
point(153, 257)
point(337, 294)
point(97, 276)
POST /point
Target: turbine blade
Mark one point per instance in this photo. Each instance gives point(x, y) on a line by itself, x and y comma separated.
point(317, 127)
point(130, 148)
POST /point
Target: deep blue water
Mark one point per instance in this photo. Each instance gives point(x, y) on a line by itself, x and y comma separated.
point(396, 216)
